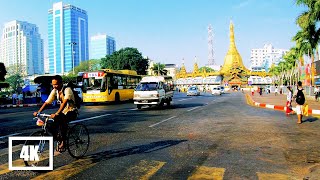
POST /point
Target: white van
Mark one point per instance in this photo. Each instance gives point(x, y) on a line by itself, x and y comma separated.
point(153, 90)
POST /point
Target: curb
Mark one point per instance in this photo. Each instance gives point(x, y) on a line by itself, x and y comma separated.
point(276, 107)
point(18, 106)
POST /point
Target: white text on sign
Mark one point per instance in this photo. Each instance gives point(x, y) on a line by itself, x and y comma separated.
point(29, 153)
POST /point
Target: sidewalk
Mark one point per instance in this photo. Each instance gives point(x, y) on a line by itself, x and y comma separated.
point(279, 102)
point(17, 106)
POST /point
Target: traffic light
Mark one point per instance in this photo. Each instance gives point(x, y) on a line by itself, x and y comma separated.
point(3, 72)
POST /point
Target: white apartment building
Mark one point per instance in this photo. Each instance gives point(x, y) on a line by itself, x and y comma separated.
point(21, 46)
point(262, 59)
point(171, 69)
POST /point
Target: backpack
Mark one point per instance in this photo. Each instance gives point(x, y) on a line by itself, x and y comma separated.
point(300, 99)
point(75, 94)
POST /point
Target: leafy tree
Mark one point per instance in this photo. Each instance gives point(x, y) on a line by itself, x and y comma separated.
point(307, 39)
point(15, 77)
point(126, 58)
point(208, 69)
point(158, 69)
point(90, 65)
point(15, 81)
point(69, 78)
point(3, 73)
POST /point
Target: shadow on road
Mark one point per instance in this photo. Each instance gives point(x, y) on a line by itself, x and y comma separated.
point(145, 148)
point(311, 119)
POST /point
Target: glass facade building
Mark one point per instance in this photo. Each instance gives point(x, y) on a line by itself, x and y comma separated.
point(67, 38)
point(22, 46)
point(101, 45)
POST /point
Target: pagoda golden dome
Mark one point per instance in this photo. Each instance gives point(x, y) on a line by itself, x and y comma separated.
point(233, 58)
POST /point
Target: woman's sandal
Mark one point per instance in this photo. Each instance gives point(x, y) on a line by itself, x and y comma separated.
point(60, 148)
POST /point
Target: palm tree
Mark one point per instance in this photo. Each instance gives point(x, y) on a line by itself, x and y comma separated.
point(307, 38)
point(158, 69)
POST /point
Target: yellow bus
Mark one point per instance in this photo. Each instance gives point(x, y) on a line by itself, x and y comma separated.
point(109, 85)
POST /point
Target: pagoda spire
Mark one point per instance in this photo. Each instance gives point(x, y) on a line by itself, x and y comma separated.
point(233, 58)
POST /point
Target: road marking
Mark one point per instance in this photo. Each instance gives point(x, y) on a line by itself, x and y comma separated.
point(69, 170)
point(204, 172)
point(86, 119)
point(162, 121)
point(267, 176)
point(4, 168)
point(143, 170)
point(134, 109)
point(14, 149)
point(193, 108)
point(10, 135)
point(185, 99)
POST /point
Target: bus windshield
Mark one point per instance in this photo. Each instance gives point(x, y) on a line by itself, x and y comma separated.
point(94, 84)
point(150, 86)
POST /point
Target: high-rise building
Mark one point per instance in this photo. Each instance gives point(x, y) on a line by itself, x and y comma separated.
point(67, 37)
point(46, 65)
point(262, 59)
point(22, 47)
point(101, 45)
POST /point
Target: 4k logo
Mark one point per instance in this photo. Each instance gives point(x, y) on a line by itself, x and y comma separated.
point(31, 153)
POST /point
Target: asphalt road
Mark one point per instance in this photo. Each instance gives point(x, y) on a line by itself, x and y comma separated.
point(217, 137)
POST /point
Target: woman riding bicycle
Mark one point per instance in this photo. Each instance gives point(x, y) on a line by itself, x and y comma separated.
point(67, 111)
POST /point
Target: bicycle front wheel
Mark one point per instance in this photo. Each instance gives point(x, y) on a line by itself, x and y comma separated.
point(78, 140)
point(43, 151)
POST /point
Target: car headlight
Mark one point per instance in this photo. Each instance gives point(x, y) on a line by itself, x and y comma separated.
point(155, 95)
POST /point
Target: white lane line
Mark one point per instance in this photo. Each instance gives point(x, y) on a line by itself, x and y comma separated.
point(10, 135)
point(193, 108)
point(86, 119)
point(72, 122)
point(134, 109)
point(162, 121)
point(185, 99)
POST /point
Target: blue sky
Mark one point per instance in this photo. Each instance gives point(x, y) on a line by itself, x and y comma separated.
point(169, 30)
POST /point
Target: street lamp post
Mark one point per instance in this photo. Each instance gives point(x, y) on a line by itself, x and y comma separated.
point(72, 44)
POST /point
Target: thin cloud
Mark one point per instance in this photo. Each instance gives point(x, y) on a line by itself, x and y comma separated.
point(242, 4)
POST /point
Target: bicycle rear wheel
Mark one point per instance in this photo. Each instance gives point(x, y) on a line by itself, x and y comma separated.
point(43, 151)
point(78, 140)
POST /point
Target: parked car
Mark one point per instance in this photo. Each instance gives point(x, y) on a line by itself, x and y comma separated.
point(193, 91)
point(216, 91)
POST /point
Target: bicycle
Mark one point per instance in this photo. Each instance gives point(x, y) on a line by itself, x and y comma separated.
point(77, 140)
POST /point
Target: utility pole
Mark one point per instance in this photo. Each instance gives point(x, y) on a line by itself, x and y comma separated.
point(72, 54)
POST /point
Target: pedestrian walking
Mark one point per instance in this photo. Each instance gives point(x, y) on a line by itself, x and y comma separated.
point(316, 93)
point(276, 91)
point(20, 98)
point(14, 98)
point(300, 100)
point(289, 101)
point(252, 91)
point(260, 91)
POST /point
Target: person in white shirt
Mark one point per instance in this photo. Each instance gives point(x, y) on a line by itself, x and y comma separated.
point(276, 91)
point(289, 101)
point(67, 111)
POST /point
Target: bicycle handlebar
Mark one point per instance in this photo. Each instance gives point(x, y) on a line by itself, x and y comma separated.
point(43, 115)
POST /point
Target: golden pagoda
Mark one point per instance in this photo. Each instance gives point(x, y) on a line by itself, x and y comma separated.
point(233, 70)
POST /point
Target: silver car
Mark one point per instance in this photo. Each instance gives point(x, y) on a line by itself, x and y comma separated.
point(193, 91)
